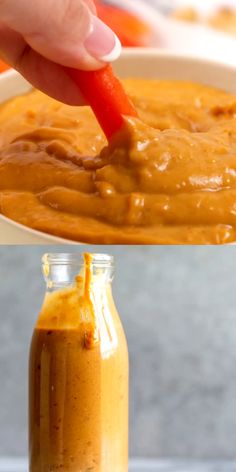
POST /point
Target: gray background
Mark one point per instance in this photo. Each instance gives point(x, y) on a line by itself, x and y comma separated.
point(178, 307)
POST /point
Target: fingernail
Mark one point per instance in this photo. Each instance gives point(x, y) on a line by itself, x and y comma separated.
point(102, 43)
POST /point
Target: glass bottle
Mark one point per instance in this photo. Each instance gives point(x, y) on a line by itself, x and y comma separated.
point(78, 371)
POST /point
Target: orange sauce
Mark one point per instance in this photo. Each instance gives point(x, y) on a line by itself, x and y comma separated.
point(78, 383)
point(166, 178)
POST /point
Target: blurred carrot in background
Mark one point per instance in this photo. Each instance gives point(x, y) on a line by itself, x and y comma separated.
point(131, 30)
point(3, 66)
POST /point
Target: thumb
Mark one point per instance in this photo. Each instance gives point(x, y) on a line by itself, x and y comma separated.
point(64, 31)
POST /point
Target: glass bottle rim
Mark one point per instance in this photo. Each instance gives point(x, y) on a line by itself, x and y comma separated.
point(76, 258)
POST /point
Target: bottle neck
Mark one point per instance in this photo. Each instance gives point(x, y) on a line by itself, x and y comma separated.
point(64, 270)
point(81, 293)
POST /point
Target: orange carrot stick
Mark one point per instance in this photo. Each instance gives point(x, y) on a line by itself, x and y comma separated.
point(106, 96)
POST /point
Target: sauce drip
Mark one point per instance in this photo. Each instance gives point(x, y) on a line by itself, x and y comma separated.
point(74, 305)
point(91, 337)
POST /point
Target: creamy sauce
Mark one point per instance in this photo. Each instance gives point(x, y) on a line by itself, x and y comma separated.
point(78, 389)
point(166, 178)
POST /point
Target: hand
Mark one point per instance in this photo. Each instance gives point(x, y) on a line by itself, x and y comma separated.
point(40, 38)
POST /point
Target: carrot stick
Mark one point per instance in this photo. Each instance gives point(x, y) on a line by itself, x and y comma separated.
point(106, 96)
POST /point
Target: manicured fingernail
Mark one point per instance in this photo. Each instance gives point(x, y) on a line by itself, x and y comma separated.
point(102, 43)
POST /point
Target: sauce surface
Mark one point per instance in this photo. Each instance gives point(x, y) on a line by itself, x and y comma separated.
point(168, 178)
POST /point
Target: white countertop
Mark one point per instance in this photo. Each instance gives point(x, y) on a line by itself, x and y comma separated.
point(141, 465)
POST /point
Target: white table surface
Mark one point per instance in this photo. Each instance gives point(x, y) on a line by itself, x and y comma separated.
point(141, 465)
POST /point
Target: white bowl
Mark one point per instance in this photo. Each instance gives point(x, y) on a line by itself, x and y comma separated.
point(145, 63)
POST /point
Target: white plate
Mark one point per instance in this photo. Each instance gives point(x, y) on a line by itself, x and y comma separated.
point(197, 39)
point(146, 63)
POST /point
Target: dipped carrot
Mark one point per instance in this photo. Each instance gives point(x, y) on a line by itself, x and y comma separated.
point(106, 96)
